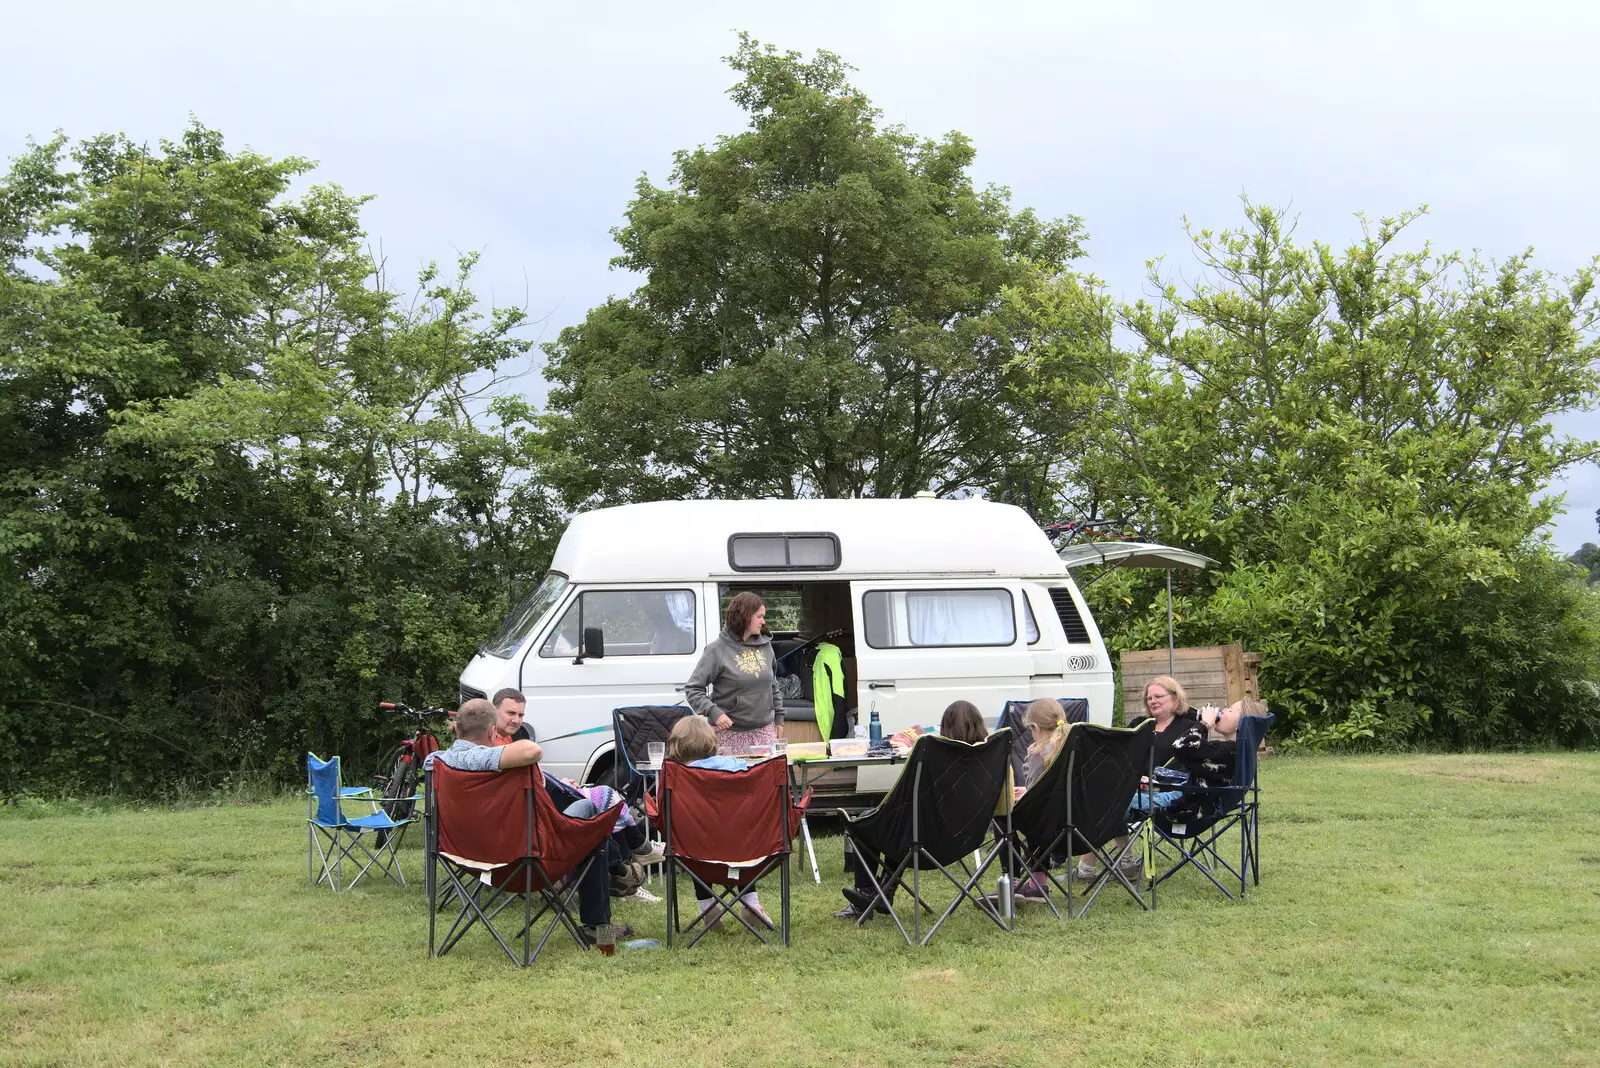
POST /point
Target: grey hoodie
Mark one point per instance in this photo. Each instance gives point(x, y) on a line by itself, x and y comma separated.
point(738, 672)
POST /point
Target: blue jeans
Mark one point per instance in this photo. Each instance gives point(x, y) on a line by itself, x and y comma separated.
point(594, 891)
point(1162, 798)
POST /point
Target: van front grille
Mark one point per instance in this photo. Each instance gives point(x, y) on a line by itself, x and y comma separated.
point(469, 694)
point(1071, 621)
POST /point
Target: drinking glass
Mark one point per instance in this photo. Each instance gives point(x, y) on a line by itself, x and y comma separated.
point(657, 752)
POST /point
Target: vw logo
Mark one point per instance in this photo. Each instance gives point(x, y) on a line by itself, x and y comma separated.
point(1083, 662)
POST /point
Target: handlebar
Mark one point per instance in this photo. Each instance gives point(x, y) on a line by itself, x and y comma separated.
point(434, 712)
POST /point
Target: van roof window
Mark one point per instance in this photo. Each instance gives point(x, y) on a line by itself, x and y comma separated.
point(778, 551)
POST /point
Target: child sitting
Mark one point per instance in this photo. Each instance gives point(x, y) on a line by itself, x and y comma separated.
point(1209, 752)
point(693, 741)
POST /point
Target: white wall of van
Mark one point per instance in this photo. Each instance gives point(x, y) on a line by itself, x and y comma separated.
point(949, 599)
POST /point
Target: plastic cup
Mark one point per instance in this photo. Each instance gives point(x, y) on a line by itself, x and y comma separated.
point(657, 752)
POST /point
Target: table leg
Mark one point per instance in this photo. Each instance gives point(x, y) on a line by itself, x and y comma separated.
point(805, 832)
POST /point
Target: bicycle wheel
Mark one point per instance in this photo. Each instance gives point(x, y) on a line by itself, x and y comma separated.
point(401, 786)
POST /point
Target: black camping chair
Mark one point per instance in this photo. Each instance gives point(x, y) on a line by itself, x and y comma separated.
point(937, 815)
point(1193, 824)
point(634, 728)
point(1080, 805)
point(1073, 709)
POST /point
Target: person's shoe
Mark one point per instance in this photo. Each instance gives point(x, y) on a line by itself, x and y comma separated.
point(620, 932)
point(860, 900)
point(757, 916)
point(714, 925)
point(1032, 889)
point(627, 879)
point(1084, 872)
point(647, 897)
point(1132, 863)
point(656, 854)
point(847, 913)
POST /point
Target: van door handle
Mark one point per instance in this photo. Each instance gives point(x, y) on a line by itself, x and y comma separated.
point(880, 685)
point(679, 689)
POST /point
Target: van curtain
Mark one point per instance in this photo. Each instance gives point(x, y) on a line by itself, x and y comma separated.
point(960, 617)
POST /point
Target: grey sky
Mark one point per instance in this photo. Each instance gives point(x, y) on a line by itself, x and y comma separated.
point(520, 128)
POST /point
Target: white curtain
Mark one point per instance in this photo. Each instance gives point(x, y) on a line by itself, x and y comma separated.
point(681, 604)
point(960, 617)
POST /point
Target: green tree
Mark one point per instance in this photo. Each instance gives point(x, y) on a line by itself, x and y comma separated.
point(824, 311)
point(246, 490)
point(1362, 438)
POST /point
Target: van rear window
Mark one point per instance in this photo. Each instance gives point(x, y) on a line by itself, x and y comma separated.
point(784, 552)
point(910, 619)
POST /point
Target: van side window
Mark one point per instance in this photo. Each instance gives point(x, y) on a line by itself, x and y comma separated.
point(1030, 624)
point(636, 623)
point(908, 619)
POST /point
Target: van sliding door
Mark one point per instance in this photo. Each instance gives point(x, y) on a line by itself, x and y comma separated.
point(921, 645)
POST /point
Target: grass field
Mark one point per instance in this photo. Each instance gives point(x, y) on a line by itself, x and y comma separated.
point(1420, 910)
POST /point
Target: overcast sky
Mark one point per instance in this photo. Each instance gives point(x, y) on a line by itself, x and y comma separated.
point(520, 128)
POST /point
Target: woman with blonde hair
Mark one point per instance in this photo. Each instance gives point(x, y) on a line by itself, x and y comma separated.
point(1166, 702)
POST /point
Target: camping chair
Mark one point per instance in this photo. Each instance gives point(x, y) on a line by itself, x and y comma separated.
point(937, 814)
point(1195, 822)
point(728, 830)
point(634, 729)
point(497, 836)
point(332, 836)
point(1080, 805)
point(1073, 709)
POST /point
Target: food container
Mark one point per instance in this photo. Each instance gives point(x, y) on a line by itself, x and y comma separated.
point(807, 750)
point(848, 747)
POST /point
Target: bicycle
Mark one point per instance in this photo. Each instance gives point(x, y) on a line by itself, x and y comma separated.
point(398, 788)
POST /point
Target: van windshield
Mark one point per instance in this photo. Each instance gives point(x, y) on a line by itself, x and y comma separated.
point(521, 620)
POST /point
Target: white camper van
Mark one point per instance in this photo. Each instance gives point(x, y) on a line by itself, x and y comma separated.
point(930, 601)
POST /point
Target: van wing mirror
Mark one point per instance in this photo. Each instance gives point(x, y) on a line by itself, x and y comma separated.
point(594, 644)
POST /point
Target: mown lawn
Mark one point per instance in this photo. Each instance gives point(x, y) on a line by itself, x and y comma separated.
point(1423, 910)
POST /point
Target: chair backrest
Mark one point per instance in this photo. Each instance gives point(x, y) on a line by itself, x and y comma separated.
point(323, 785)
point(486, 816)
point(637, 726)
point(500, 817)
point(1089, 785)
point(943, 800)
point(1073, 709)
point(1252, 732)
point(1104, 767)
point(725, 816)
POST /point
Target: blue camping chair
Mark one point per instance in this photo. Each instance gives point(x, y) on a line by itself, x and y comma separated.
point(1187, 832)
point(332, 836)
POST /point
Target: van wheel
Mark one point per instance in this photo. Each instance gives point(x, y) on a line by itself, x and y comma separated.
point(605, 774)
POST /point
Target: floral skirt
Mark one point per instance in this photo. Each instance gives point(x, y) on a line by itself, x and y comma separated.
point(734, 740)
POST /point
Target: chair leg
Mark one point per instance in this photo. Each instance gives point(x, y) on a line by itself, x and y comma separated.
point(783, 903)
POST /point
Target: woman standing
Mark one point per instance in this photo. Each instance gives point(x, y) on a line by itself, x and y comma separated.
point(743, 704)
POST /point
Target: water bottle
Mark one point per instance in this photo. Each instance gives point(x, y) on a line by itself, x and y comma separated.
point(642, 943)
point(876, 734)
point(1007, 900)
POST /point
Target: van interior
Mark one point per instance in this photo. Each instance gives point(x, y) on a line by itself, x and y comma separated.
point(802, 615)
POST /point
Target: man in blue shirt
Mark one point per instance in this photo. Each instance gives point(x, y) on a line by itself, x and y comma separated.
point(471, 751)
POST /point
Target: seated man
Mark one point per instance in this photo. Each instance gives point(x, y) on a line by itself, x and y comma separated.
point(629, 850)
point(510, 706)
point(473, 751)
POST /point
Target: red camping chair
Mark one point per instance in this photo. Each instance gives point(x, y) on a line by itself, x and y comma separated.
point(499, 831)
point(727, 830)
